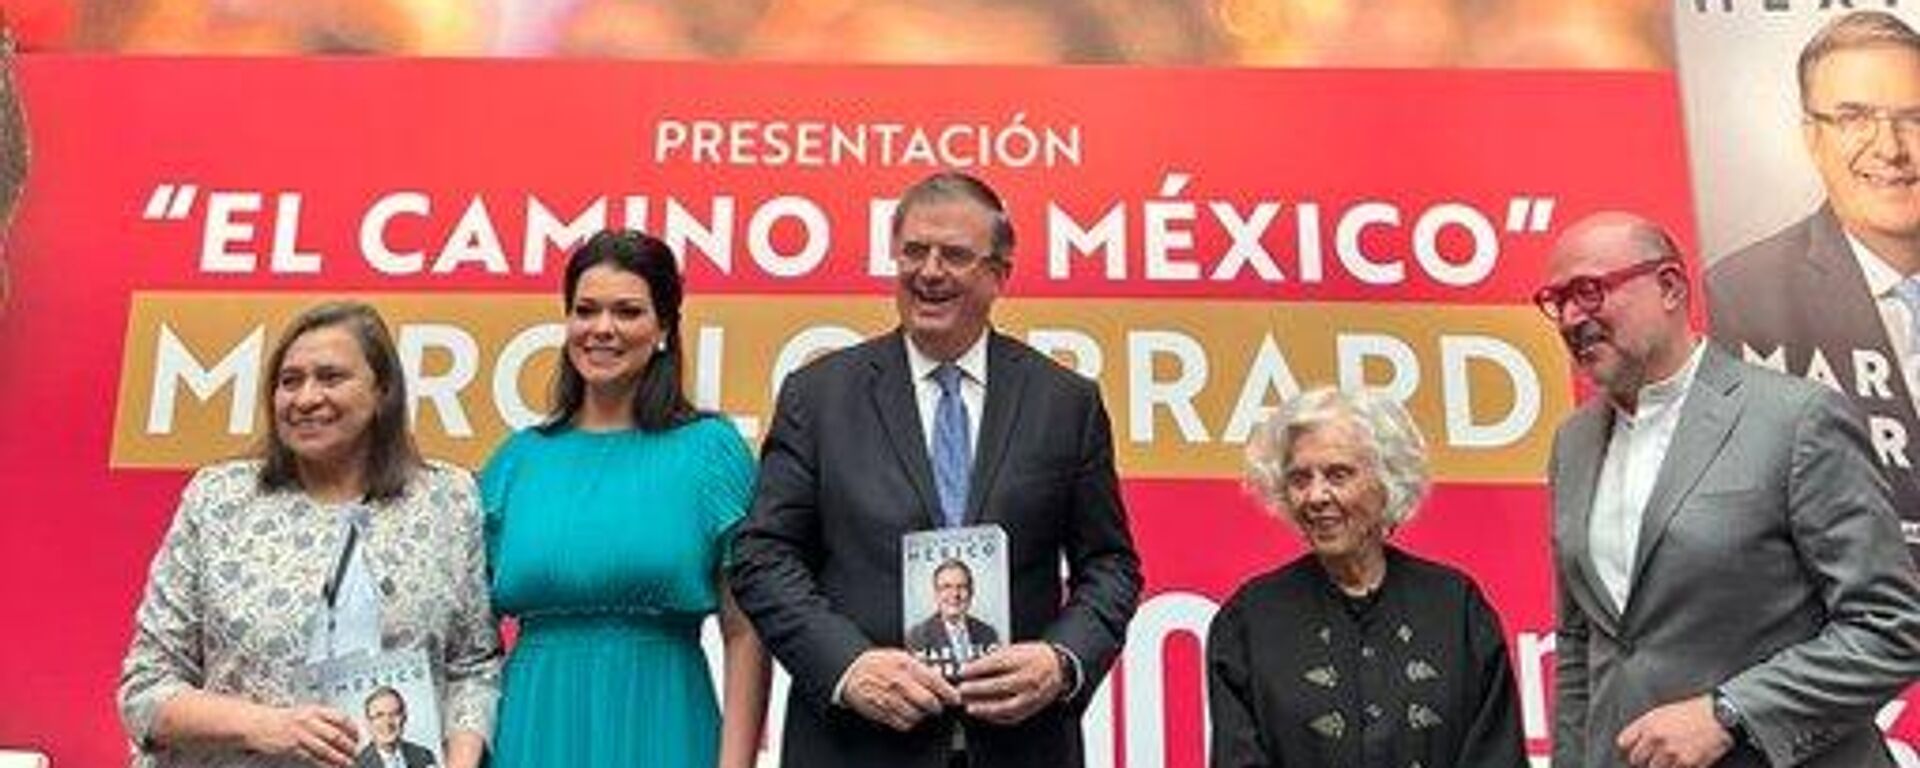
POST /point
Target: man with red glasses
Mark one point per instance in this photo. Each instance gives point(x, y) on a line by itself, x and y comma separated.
point(1836, 297)
point(1732, 586)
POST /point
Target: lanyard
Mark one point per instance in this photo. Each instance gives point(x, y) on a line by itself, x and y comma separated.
point(349, 599)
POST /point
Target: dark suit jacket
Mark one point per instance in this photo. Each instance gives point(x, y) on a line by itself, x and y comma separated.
point(414, 755)
point(932, 634)
point(844, 472)
point(1800, 291)
point(1769, 565)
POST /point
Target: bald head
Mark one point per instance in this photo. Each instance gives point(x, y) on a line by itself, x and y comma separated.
point(1618, 291)
point(1623, 237)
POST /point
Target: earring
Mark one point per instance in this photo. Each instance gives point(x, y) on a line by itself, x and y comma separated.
point(660, 346)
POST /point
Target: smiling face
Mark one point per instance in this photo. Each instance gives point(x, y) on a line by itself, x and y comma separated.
point(324, 398)
point(944, 308)
point(611, 328)
point(953, 591)
point(1638, 333)
point(386, 719)
point(1870, 177)
point(1331, 491)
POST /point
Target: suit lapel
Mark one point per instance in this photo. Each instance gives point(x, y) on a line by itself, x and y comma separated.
point(1007, 367)
point(1706, 419)
point(891, 388)
point(1847, 318)
point(1586, 444)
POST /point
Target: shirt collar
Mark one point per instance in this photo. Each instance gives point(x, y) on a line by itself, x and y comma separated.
point(1671, 389)
point(972, 362)
point(1881, 279)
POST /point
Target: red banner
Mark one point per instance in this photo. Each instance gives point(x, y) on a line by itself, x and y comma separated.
point(1203, 242)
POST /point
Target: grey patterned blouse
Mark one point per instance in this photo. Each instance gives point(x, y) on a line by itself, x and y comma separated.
point(240, 573)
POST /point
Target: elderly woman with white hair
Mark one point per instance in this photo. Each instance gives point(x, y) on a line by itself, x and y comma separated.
point(1356, 654)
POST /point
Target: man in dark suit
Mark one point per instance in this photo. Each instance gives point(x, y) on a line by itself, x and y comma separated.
point(386, 722)
point(1732, 588)
point(879, 440)
point(952, 633)
point(1835, 297)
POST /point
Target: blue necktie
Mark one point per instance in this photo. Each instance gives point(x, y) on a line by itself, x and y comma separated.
point(952, 448)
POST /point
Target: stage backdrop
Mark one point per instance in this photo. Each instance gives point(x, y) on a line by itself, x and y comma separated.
point(1203, 242)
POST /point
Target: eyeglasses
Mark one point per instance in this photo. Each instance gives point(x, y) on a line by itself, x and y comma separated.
point(1857, 123)
point(1589, 292)
point(913, 255)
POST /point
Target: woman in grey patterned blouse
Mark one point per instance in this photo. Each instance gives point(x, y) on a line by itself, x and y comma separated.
point(224, 624)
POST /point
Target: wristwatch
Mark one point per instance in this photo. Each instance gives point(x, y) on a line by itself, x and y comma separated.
point(1069, 670)
point(1728, 716)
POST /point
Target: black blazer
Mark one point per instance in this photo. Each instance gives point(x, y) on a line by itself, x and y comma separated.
point(1801, 291)
point(844, 473)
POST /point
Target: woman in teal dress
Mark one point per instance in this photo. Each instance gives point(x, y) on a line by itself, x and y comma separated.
point(607, 526)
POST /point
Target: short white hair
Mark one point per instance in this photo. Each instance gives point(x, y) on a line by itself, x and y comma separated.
point(1391, 443)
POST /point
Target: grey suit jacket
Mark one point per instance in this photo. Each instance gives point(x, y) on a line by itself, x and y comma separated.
point(1769, 564)
point(1800, 293)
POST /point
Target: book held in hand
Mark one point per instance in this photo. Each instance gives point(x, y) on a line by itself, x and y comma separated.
point(954, 605)
point(392, 701)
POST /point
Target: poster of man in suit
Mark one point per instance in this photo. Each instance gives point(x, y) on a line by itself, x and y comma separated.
point(1803, 125)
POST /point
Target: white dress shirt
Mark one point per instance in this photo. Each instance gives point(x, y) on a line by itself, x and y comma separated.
point(973, 387)
point(1635, 451)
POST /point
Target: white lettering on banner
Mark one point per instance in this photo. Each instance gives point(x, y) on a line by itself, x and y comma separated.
point(880, 238)
point(1456, 352)
point(1532, 653)
point(545, 231)
point(442, 389)
point(812, 221)
point(1169, 228)
point(1450, 243)
point(1269, 380)
point(1065, 237)
point(239, 368)
point(1142, 662)
point(1167, 374)
point(684, 234)
point(475, 240)
point(1167, 370)
point(1872, 377)
point(1353, 350)
point(373, 227)
point(506, 374)
point(1168, 253)
point(222, 231)
point(820, 144)
point(1889, 437)
point(1145, 393)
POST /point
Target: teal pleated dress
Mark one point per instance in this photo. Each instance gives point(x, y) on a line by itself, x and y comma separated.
point(604, 546)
